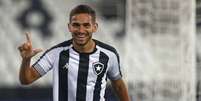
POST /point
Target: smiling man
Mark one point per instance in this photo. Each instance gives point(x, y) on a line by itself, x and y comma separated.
point(81, 65)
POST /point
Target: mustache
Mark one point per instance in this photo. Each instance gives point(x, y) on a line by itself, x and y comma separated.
point(78, 33)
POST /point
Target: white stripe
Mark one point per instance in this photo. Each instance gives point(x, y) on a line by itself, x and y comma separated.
point(103, 87)
point(91, 79)
point(40, 70)
point(72, 74)
point(56, 78)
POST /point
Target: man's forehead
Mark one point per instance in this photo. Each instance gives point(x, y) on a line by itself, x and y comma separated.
point(80, 22)
point(81, 18)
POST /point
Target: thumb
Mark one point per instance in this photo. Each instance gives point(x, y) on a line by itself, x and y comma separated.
point(36, 51)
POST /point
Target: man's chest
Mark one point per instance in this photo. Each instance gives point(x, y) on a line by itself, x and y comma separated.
point(91, 65)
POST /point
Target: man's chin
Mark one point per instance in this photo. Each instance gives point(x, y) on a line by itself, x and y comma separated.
point(81, 43)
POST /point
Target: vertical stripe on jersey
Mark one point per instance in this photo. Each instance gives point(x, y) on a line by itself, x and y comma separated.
point(103, 59)
point(82, 77)
point(63, 76)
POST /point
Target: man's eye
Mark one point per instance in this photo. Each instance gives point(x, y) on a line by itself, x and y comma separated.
point(75, 25)
point(87, 25)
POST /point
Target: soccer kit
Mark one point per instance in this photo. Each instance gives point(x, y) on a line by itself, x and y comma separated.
point(79, 76)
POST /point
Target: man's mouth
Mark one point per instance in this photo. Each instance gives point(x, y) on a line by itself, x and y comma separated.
point(80, 37)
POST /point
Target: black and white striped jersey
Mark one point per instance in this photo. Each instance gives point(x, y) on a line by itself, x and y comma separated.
point(79, 76)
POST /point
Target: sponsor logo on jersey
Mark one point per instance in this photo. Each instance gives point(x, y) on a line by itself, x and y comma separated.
point(66, 66)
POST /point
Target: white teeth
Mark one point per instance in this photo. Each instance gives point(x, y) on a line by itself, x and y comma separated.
point(81, 36)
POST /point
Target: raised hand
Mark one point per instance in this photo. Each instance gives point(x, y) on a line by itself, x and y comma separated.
point(26, 50)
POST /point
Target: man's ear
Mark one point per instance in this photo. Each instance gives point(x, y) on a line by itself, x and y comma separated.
point(95, 27)
point(69, 27)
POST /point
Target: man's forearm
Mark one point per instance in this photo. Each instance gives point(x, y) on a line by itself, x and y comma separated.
point(123, 93)
point(25, 71)
point(121, 90)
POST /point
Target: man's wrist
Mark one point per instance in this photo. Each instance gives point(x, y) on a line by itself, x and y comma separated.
point(26, 60)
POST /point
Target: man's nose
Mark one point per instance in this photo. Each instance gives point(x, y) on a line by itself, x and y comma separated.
point(81, 29)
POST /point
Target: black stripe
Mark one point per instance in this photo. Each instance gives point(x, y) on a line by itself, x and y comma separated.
point(63, 44)
point(82, 77)
point(104, 60)
point(63, 76)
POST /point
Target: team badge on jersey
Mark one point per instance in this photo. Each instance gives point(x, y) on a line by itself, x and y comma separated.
point(98, 67)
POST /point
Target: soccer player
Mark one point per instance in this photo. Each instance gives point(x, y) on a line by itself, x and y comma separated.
point(81, 65)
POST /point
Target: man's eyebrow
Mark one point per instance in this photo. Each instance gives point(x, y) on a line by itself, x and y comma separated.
point(85, 23)
point(75, 23)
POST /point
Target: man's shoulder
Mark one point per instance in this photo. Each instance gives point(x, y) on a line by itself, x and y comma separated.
point(66, 43)
point(63, 44)
point(105, 46)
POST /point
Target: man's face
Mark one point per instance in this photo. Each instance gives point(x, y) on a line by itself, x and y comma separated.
point(82, 26)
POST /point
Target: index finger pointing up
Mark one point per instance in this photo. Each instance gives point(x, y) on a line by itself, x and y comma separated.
point(28, 37)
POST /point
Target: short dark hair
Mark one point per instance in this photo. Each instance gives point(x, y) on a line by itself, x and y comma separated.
point(83, 9)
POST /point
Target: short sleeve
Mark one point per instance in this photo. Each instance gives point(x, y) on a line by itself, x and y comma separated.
point(45, 62)
point(114, 72)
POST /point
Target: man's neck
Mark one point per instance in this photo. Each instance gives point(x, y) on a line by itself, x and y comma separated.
point(87, 48)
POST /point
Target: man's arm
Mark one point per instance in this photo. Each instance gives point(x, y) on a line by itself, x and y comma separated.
point(121, 90)
point(27, 73)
